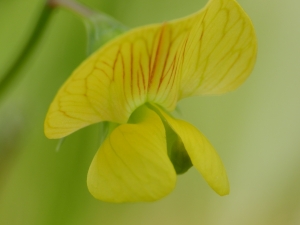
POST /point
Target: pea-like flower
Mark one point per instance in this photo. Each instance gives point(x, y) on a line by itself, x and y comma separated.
point(135, 80)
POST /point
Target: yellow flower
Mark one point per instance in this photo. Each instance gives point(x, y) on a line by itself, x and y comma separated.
point(135, 80)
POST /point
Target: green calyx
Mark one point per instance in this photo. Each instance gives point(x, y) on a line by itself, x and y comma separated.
point(177, 152)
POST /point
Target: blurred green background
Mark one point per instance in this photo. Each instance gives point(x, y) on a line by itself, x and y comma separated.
point(255, 129)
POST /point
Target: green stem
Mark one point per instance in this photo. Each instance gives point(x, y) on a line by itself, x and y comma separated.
point(11, 75)
point(75, 7)
point(99, 27)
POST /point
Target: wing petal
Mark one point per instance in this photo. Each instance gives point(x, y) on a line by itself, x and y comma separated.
point(132, 164)
point(202, 154)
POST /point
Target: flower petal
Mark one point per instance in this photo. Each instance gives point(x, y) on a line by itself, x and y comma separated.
point(220, 49)
point(132, 165)
point(115, 80)
point(209, 52)
point(201, 152)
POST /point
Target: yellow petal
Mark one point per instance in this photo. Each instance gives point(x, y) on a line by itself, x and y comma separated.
point(220, 49)
point(72, 107)
point(209, 52)
point(202, 154)
point(132, 165)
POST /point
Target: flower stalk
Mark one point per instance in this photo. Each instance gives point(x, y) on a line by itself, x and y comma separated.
point(99, 27)
point(73, 6)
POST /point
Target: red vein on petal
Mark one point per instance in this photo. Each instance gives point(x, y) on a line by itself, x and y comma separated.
point(114, 64)
point(143, 75)
point(152, 71)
